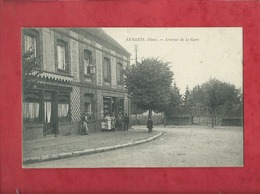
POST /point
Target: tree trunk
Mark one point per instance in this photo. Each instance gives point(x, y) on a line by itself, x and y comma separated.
point(150, 114)
point(163, 119)
point(214, 118)
point(136, 119)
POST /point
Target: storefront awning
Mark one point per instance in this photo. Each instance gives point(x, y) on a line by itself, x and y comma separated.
point(53, 76)
point(47, 80)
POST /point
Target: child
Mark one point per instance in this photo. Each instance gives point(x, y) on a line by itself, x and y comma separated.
point(103, 125)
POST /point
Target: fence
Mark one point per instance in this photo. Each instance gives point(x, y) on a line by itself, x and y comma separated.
point(232, 122)
point(158, 119)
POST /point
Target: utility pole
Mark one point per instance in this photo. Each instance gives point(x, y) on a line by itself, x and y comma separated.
point(136, 54)
point(136, 64)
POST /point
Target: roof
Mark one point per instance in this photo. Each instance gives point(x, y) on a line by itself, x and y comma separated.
point(99, 33)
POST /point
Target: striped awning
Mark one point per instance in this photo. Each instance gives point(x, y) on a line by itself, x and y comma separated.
point(53, 76)
point(47, 80)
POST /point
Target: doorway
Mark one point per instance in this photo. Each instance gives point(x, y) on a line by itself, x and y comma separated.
point(50, 113)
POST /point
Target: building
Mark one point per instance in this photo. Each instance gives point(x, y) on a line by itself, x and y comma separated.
point(80, 71)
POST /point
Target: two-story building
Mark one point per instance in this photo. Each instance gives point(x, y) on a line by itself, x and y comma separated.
point(80, 71)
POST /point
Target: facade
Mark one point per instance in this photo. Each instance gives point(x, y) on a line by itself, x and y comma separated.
point(80, 71)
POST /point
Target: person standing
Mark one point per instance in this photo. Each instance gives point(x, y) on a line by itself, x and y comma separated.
point(86, 121)
point(150, 125)
point(126, 122)
point(109, 124)
point(84, 126)
point(119, 121)
point(113, 122)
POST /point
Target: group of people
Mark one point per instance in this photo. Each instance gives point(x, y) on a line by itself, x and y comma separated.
point(112, 123)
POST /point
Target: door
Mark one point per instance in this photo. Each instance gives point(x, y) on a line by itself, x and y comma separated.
point(50, 110)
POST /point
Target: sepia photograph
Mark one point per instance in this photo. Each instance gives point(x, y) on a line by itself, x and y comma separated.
point(132, 97)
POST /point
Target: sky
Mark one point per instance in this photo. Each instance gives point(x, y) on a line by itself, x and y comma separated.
point(195, 54)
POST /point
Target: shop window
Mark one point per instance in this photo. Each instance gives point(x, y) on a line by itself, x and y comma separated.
point(120, 73)
point(48, 97)
point(88, 65)
point(63, 107)
point(31, 107)
point(107, 69)
point(113, 106)
point(120, 105)
point(62, 55)
point(107, 106)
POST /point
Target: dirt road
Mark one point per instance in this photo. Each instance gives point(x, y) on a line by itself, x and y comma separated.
point(184, 146)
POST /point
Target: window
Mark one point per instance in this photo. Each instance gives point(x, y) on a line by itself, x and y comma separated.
point(88, 66)
point(88, 105)
point(30, 44)
point(48, 96)
point(31, 107)
point(107, 69)
point(62, 57)
point(87, 108)
point(63, 107)
point(120, 77)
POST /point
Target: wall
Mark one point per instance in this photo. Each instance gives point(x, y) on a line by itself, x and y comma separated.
point(206, 120)
point(48, 50)
point(178, 120)
point(75, 104)
point(33, 131)
point(69, 128)
point(74, 55)
point(142, 119)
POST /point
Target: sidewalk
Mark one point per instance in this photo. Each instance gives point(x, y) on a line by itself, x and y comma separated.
point(52, 148)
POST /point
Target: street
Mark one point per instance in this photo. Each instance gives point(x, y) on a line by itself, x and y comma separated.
point(183, 146)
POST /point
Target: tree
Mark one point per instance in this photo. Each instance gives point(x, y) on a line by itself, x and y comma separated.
point(148, 84)
point(196, 102)
point(175, 102)
point(135, 111)
point(219, 94)
point(186, 99)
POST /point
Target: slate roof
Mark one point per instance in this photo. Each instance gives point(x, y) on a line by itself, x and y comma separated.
point(99, 33)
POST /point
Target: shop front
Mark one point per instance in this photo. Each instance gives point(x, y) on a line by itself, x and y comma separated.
point(113, 106)
point(46, 106)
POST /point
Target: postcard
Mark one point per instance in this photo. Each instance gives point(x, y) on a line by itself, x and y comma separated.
point(132, 97)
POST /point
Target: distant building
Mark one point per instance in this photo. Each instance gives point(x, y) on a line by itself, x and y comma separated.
point(81, 71)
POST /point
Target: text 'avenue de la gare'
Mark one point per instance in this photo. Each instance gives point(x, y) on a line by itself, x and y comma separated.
point(140, 39)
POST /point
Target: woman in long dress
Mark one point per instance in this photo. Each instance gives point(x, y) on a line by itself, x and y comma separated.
point(113, 122)
point(109, 124)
